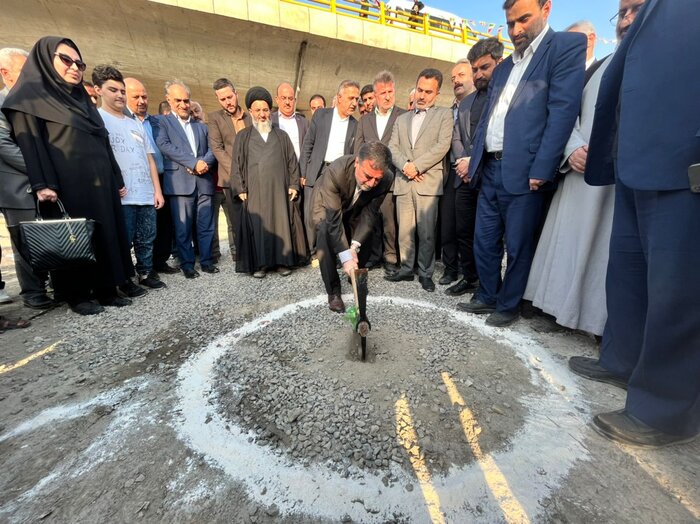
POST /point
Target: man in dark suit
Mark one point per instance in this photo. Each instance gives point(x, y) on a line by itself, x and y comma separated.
point(16, 198)
point(651, 343)
point(224, 125)
point(377, 125)
point(187, 181)
point(484, 56)
point(330, 136)
point(346, 204)
point(534, 99)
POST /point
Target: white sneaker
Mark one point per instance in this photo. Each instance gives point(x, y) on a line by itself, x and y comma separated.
point(4, 297)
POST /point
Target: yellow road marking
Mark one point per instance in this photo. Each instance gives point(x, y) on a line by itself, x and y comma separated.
point(11, 367)
point(409, 440)
point(513, 512)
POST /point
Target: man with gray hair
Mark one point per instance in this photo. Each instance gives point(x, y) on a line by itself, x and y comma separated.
point(330, 136)
point(587, 28)
point(16, 200)
point(378, 125)
point(188, 181)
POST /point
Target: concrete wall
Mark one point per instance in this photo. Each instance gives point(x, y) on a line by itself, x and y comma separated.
point(252, 42)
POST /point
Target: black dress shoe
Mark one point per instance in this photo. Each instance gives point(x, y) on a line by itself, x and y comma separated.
point(39, 302)
point(115, 301)
point(131, 290)
point(190, 273)
point(502, 318)
point(447, 278)
point(336, 304)
point(211, 269)
point(166, 269)
point(86, 308)
point(475, 306)
point(399, 276)
point(621, 426)
point(462, 287)
point(152, 281)
point(427, 283)
point(591, 369)
point(391, 268)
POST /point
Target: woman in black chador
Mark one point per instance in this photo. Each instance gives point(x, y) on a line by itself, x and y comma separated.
point(68, 156)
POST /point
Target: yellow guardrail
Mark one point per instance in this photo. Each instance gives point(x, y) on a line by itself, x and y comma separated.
point(379, 13)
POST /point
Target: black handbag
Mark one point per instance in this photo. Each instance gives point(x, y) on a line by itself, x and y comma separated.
point(63, 243)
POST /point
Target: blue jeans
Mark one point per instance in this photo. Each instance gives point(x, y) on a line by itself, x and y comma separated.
point(141, 232)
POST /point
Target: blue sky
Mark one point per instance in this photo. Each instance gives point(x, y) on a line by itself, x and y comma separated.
point(564, 12)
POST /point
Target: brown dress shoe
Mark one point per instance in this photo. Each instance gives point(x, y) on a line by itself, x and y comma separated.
point(335, 303)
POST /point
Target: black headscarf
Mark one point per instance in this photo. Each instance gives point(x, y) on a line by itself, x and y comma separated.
point(41, 92)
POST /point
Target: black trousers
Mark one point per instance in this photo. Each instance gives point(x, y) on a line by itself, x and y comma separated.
point(232, 210)
point(458, 219)
point(31, 284)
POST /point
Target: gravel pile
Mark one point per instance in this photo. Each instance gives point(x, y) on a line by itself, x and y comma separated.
point(298, 387)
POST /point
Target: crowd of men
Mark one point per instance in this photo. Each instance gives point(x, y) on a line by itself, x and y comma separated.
point(509, 168)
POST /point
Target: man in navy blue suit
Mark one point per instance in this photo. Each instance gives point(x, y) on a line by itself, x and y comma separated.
point(645, 138)
point(534, 99)
point(187, 180)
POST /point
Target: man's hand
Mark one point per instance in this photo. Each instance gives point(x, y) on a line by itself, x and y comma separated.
point(292, 193)
point(302, 182)
point(243, 196)
point(47, 195)
point(122, 192)
point(410, 170)
point(350, 265)
point(201, 167)
point(536, 183)
point(462, 169)
point(158, 200)
point(578, 158)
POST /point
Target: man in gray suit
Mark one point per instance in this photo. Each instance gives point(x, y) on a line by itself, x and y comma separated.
point(330, 136)
point(376, 126)
point(419, 142)
point(224, 125)
point(16, 198)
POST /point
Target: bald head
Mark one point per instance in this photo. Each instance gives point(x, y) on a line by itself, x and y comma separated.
point(136, 97)
point(286, 99)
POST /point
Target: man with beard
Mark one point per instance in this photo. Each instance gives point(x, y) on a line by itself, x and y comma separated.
point(224, 126)
point(265, 176)
point(462, 86)
point(534, 99)
point(345, 205)
point(484, 56)
point(567, 279)
point(651, 343)
point(366, 100)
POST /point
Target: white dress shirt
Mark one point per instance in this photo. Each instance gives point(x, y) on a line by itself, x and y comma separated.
point(382, 121)
point(290, 126)
point(187, 127)
point(336, 139)
point(497, 120)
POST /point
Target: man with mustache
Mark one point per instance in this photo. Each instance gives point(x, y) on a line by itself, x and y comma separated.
point(534, 99)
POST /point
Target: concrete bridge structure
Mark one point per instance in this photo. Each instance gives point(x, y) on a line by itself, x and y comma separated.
point(253, 42)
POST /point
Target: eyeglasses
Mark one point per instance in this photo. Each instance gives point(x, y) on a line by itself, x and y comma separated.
point(68, 61)
point(624, 13)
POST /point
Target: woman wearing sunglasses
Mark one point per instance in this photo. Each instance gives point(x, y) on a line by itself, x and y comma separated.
point(68, 156)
